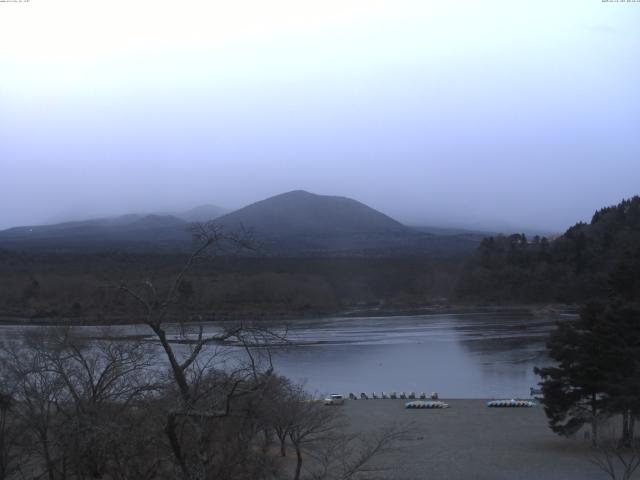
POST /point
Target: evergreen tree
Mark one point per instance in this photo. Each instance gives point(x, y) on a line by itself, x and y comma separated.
point(575, 389)
point(597, 373)
point(622, 330)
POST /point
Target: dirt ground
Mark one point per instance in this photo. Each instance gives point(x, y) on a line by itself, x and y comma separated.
point(471, 441)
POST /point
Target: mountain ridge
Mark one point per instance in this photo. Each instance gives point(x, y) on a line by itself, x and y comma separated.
point(291, 223)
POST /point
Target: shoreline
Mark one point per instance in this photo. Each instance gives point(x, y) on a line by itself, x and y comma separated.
point(544, 309)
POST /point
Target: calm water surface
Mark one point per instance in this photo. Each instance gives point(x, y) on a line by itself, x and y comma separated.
point(479, 355)
point(459, 356)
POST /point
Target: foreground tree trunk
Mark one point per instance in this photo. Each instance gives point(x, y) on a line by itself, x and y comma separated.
point(627, 428)
point(191, 448)
point(594, 421)
point(298, 463)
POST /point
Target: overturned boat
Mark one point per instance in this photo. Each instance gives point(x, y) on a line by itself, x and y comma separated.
point(426, 404)
point(511, 403)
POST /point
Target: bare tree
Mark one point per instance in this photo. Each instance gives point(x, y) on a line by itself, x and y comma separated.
point(37, 393)
point(11, 437)
point(311, 423)
point(205, 396)
point(71, 396)
point(280, 402)
point(101, 379)
point(321, 433)
point(351, 455)
point(618, 459)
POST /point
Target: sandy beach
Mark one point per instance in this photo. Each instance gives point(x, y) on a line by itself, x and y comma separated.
point(471, 441)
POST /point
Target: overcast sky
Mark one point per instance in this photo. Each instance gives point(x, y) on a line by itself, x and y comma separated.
point(436, 112)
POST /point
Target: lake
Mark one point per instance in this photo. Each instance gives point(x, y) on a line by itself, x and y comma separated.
point(471, 355)
point(478, 355)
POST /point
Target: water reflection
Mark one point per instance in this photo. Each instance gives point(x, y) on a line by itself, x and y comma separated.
point(480, 355)
point(461, 356)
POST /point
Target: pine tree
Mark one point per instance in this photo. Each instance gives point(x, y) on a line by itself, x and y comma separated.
point(597, 374)
point(622, 321)
point(575, 389)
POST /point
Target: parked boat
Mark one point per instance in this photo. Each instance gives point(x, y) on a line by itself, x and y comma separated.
point(426, 404)
point(511, 403)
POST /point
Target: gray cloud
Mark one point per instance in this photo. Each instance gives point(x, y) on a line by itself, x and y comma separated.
point(537, 129)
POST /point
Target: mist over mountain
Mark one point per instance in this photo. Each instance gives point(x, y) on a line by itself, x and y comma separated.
point(292, 223)
point(126, 232)
point(201, 213)
point(299, 212)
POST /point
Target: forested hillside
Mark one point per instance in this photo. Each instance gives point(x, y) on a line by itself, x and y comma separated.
point(582, 264)
point(59, 287)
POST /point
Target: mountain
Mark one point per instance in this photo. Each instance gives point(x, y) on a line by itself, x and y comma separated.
point(303, 213)
point(296, 223)
point(126, 232)
point(303, 223)
point(201, 213)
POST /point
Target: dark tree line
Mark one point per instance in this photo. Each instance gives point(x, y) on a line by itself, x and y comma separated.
point(59, 287)
point(596, 374)
point(573, 268)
